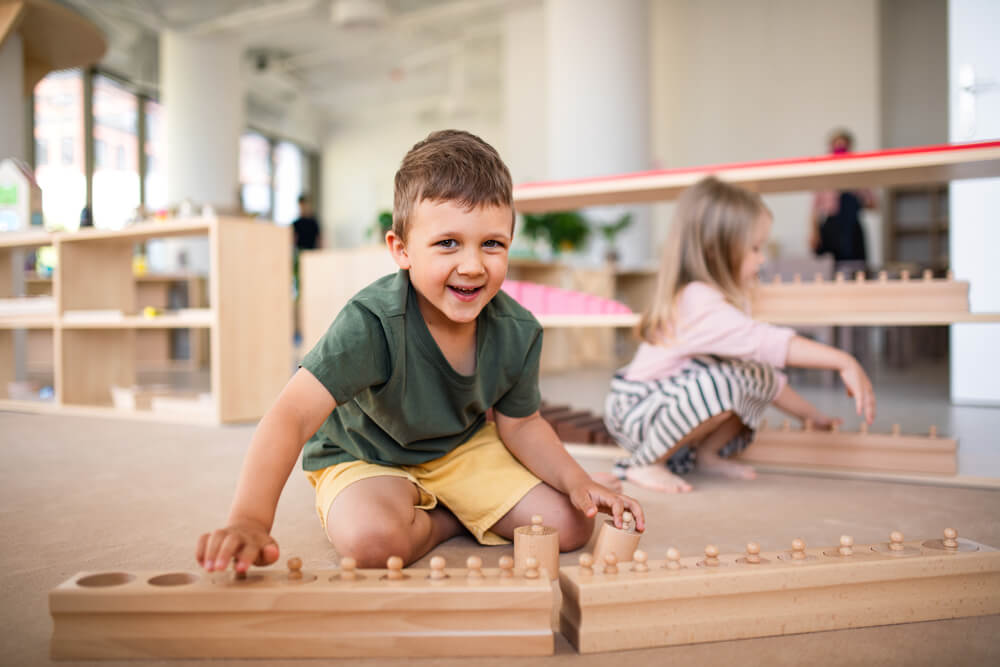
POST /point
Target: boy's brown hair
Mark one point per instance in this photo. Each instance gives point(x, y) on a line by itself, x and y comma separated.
point(450, 165)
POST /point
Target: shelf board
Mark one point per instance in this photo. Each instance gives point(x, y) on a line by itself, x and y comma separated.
point(879, 168)
point(51, 407)
point(828, 318)
point(27, 239)
point(28, 322)
point(195, 318)
point(142, 230)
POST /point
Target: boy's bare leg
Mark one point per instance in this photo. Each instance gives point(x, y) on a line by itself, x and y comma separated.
point(657, 477)
point(556, 510)
point(376, 517)
point(709, 460)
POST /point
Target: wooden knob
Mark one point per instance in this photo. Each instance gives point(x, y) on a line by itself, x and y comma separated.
point(883, 276)
point(896, 541)
point(530, 568)
point(628, 521)
point(475, 566)
point(506, 567)
point(295, 568)
point(753, 553)
point(904, 275)
point(859, 276)
point(798, 549)
point(797, 278)
point(932, 431)
point(673, 559)
point(395, 566)
point(536, 524)
point(711, 555)
point(639, 559)
point(437, 567)
point(928, 274)
point(895, 429)
point(347, 567)
point(846, 545)
point(950, 538)
point(818, 277)
point(610, 564)
point(586, 563)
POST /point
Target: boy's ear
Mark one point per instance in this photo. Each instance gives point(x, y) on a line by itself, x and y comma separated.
point(397, 248)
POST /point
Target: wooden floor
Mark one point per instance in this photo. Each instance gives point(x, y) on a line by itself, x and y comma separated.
point(91, 494)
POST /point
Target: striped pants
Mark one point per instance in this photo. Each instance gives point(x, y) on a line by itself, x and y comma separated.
point(647, 418)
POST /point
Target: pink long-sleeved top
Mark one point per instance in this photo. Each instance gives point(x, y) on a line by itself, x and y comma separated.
point(705, 323)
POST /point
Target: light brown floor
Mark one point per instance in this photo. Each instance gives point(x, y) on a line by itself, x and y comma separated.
point(89, 494)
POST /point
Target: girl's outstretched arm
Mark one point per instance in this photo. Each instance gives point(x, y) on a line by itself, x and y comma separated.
point(805, 353)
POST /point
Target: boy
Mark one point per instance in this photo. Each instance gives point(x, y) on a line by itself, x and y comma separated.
point(393, 398)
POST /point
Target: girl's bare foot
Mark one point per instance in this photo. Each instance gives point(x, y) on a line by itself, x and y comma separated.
point(609, 480)
point(713, 464)
point(657, 478)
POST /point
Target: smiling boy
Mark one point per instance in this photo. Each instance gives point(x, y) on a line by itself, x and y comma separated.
point(391, 403)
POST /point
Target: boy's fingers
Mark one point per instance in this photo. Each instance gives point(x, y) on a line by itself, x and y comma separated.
point(268, 553)
point(587, 505)
point(230, 546)
point(617, 508)
point(199, 552)
point(212, 548)
point(636, 509)
point(246, 557)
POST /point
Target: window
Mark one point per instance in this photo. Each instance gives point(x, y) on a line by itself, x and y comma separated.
point(288, 182)
point(59, 122)
point(155, 154)
point(41, 152)
point(255, 173)
point(116, 167)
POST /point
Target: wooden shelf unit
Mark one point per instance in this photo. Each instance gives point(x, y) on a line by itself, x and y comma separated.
point(248, 317)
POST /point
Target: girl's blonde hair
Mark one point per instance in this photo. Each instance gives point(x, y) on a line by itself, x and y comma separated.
point(708, 238)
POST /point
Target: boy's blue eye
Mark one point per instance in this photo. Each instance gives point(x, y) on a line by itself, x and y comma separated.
point(493, 243)
point(448, 243)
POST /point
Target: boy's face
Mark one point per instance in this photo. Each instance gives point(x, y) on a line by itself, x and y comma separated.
point(457, 258)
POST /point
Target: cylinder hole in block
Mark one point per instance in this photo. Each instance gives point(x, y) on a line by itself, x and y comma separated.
point(174, 579)
point(105, 579)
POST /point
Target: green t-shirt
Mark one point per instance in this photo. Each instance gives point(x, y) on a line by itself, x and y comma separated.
point(399, 401)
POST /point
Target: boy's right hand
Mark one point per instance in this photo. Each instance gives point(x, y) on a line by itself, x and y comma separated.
point(860, 387)
point(246, 541)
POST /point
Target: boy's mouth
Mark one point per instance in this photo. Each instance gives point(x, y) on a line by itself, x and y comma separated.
point(465, 293)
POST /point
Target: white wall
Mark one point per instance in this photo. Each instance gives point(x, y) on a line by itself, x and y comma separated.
point(760, 79)
point(360, 161)
point(974, 232)
point(914, 60)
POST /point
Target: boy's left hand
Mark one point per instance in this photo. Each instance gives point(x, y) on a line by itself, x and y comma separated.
point(589, 497)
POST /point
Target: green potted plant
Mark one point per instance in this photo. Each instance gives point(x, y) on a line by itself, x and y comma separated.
point(610, 233)
point(566, 231)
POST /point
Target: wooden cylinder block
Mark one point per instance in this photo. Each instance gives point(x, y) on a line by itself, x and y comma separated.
point(538, 542)
point(622, 543)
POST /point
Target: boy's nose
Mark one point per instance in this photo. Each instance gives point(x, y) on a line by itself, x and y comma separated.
point(471, 264)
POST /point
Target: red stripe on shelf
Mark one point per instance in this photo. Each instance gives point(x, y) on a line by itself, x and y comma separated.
point(912, 150)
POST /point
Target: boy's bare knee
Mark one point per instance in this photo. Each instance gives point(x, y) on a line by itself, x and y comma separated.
point(575, 529)
point(371, 545)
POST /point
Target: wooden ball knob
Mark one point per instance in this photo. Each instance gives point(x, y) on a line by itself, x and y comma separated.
point(348, 563)
point(437, 563)
point(506, 566)
point(950, 538)
point(536, 523)
point(530, 568)
point(798, 545)
point(711, 551)
point(896, 541)
point(640, 558)
point(393, 563)
point(295, 563)
point(753, 548)
point(673, 554)
point(586, 561)
point(474, 562)
point(950, 533)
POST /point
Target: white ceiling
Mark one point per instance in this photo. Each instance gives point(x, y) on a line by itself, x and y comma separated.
point(420, 55)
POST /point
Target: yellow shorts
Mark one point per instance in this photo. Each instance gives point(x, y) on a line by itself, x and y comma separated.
point(479, 481)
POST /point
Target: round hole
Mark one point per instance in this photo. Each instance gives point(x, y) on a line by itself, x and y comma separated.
point(105, 579)
point(174, 579)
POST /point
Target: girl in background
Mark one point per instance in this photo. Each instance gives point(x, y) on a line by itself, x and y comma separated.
point(705, 370)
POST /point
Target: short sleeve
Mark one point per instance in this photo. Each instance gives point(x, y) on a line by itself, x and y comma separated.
point(523, 398)
point(352, 355)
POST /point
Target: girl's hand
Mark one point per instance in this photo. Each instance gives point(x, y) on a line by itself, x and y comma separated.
point(860, 387)
point(824, 422)
point(589, 497)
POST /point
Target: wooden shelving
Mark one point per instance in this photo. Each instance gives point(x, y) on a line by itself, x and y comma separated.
point(98, 318)
point(925, 164)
